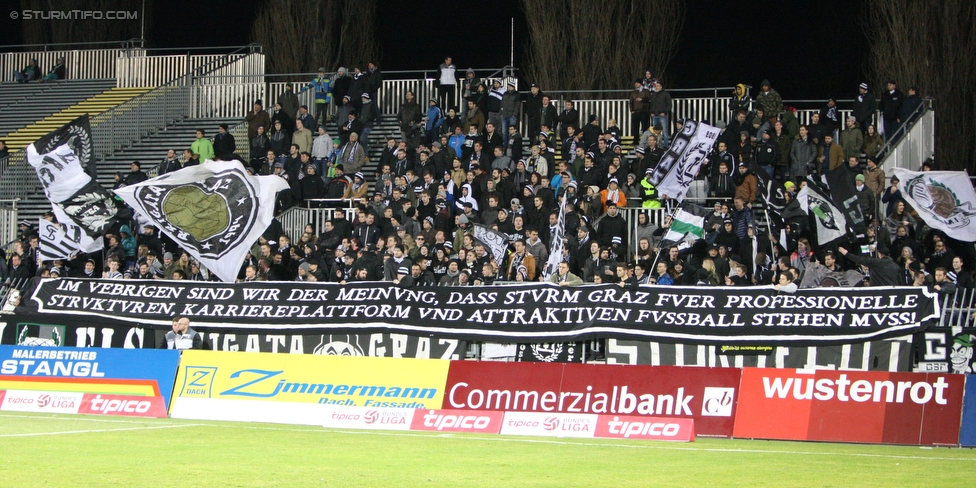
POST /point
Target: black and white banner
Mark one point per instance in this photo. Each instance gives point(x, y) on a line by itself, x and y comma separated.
point(679, 166)
point(894, 354)
point(522, 313)
point(67, 330)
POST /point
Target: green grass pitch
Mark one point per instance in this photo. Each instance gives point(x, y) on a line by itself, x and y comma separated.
point(76, 450)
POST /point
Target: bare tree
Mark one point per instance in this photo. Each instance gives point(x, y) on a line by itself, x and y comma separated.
point(931, 45)
point(586, 45)
point(82, 29)
point(301, 35)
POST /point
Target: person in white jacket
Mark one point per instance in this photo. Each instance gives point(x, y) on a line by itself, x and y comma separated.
point(322, 148)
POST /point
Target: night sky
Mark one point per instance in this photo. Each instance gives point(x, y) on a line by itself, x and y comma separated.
point(814, 51)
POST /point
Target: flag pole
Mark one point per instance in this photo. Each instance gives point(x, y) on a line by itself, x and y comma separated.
point(658, 257)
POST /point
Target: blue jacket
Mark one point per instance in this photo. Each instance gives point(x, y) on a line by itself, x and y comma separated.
point(434, 118)
point(323, 89)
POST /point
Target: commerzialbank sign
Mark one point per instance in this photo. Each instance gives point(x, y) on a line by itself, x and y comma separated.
point(518, 313)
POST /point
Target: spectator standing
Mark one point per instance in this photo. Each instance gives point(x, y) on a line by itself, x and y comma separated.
point(851, 139)
point(510, 110)
point(257, 117)
point(865, 105)
point(182, 337)
point(660, 107)
point(891, 101)
point(640, 114)
point(447, 83)
point(374, 79)
point(368, 116)
point(224, 143)
point(322, 87)
point(340, 87)
point(410, 113)
point(202, 146)
point(289, 104)
point(769, 99)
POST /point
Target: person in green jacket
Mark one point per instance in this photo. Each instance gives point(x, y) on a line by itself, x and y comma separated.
point(202, 146)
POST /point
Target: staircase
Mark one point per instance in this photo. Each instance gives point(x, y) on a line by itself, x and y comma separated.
point(93, 105)
point(23, 104)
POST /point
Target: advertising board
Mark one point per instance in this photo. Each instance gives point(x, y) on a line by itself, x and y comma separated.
point(127, 372)
point(850, 406)
point(707, 395)
point(288, 388)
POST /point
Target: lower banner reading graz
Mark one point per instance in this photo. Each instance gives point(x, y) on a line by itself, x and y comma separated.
point(707, 395)
point(946, 350)
point(292, 388)
point(511, 313)
point(893, 354)
point(81, 331)
point(850, 406)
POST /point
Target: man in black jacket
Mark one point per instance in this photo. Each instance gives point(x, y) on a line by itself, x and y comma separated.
point(568, 117)
point(891, 101)
point(224, 143)
point(865, 105)
point(883, 271)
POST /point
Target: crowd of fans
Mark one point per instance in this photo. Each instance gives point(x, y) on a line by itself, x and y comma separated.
point(453, 167)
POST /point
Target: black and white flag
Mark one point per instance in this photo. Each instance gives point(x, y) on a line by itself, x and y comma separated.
point(496, 242)
point(830, 222)
point(679, 166)
point(556, 243)
point(64, 240)
point(215, 211)
point(64, 162)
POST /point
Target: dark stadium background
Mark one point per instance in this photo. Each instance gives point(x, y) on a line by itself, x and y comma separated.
point(807, 50)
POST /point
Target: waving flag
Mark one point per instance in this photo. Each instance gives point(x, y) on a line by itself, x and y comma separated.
point(831, 225)
point(679, 166)
point(64, 162)
point(687, 226)
point(63, 241)
point(215, 211)
point(496, 242)
point(944, 200)
point(556, 244)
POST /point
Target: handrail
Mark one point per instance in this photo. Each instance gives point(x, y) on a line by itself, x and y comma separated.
point(894, 139)
point(124, 44)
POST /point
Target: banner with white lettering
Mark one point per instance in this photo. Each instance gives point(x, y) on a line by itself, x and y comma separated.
point(517, 313)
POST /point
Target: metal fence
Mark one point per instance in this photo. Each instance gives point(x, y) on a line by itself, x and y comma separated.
point(8, 220)
point(958, 309)
point(79, 64)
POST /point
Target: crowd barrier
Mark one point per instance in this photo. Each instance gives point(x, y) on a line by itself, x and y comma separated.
point(536, 399)
point(90, 381)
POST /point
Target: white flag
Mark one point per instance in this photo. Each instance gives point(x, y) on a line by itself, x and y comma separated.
point(944, 200)
point(679, 166)
point(215, 211)
point(63, 241)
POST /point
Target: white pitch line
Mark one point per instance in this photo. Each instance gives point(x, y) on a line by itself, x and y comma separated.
point(312, 429)
point(73, 417)
point(90, 431)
